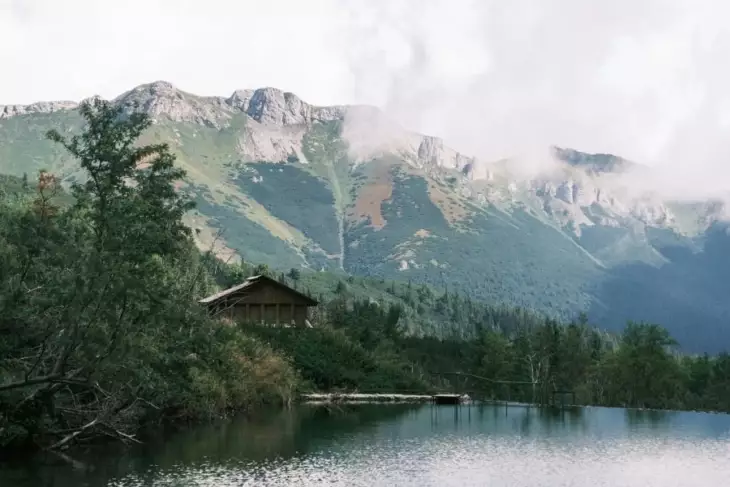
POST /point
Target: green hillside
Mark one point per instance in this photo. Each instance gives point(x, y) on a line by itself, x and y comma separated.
point(290, 194)
point(102, 333)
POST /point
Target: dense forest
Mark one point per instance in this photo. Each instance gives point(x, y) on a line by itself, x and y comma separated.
point(513, 354)
point(101, 333)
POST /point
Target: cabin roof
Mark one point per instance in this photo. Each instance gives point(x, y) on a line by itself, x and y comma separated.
point(252, 282)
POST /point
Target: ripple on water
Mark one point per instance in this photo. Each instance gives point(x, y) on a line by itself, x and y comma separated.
point(479, 459)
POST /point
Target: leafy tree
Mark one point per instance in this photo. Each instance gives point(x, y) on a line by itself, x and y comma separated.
point(647, 375)
point(98, 318)
point(294, 274)
point(262, 270)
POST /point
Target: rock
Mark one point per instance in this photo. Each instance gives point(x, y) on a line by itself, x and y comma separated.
point(7, 111)
point(431, 151)
point(240, 99)
point(275, 107)
point(162, 99)
point(272, 106)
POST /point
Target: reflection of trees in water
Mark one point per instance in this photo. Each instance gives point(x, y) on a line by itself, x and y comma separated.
point(241, 442)
point(650, 418)
point(279, 434)
point(507, 419)
point(552, 420)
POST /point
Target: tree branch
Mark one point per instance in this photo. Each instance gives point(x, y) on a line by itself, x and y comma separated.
point(29, 382)
point(73, 435)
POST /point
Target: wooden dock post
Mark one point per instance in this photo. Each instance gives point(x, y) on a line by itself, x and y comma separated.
point(448, 399)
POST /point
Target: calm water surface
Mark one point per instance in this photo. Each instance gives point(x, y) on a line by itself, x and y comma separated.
point(393, 445)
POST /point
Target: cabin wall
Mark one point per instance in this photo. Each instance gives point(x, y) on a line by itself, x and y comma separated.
point(266, 293)
point(300, 315)
point(266, 304)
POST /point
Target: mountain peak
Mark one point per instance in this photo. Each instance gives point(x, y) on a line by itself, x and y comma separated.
point(156, 89)
point(162, 98)
point(277, 107)
point(268, 106)
point(273, 106)
point(7, 111)
point(240, 99)
point(161, 85)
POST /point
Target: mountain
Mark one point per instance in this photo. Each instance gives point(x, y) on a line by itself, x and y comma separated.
point(284, 183)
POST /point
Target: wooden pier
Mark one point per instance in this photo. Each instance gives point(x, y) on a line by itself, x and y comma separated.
point(385, 398)
point(449, 399)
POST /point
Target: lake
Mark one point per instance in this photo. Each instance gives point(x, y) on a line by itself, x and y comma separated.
point(412, 445)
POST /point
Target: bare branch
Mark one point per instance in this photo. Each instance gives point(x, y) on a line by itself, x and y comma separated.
point(73, 435)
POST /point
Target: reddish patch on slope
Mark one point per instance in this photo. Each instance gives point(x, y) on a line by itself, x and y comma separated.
point(371, 196)
point(447, 201)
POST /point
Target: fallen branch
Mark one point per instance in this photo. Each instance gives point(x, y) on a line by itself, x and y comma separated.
point(73, 435)
point(121, 435)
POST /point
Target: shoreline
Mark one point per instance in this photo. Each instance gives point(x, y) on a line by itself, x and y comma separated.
point(335, 398)
point(324, 398)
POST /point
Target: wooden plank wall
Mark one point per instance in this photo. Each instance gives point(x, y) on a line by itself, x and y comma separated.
point(268, 304)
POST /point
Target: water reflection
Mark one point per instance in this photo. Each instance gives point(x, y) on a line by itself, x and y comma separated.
point(508, 419)
point(415, 445)
point(653, 419)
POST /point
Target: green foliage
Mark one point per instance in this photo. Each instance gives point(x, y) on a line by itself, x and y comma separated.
point(478, 261)
point(529, 359)
point(99, 326)
point(24, 148)
point(295, 196)
point(252, 241)
point(364, 340)
point(329, 359)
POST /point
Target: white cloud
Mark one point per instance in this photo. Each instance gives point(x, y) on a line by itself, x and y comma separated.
point(644, 79)
point(71, 49)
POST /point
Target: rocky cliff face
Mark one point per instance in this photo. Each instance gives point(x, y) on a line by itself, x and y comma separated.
point(276, 123)
point(7, 111)
point(268, 106)
point(162, 99)
point(275, 120)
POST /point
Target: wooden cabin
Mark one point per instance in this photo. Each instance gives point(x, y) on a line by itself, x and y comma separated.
point(261, 299)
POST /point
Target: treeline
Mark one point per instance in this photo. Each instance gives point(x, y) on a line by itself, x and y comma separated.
point(100, 331)
point(511, 354)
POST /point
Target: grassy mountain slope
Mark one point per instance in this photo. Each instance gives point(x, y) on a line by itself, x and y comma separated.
point(276, 182)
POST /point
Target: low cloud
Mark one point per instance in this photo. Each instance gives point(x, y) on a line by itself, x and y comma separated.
point(643, 79)
point(647, 80)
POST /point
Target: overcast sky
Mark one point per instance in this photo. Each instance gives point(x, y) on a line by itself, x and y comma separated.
point(645, 79)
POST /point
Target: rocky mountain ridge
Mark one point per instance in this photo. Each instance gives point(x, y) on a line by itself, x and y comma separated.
point(578, 181)
point(277, 121)
point(264, 105)
point(7, 111)
point(283, 182)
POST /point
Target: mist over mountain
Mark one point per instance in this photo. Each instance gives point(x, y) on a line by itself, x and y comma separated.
point(285, 183)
